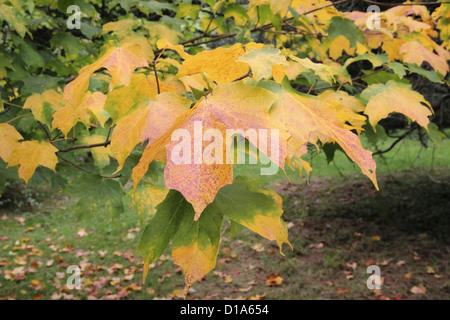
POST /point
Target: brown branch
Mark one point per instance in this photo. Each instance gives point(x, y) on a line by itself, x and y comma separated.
point(86, 170)
point(216, 38)
point(248, 74)
point(18, 117)
point(191, 42)
point(87, 146)
point(326, 6)
point(109, 133)
point(156, 76)
point(210, 21)
point(74, 148)
point(12, 104)
point(404, 4)
point(46, 132)
point(403, 136)
point(341, 84)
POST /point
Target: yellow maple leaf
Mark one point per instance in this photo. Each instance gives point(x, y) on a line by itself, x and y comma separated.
point(141, 41)
point(37, 102)
point(230, 106)
point(30, 154)
point(121, 99)
point(339, 45)
point(92, 103)
point(220, 64)
point(9, 137)
point(323, 71)
point(395, 97)
point(415, 52)
point(262, 61)
point(122, 27)
point(119, 61)
point(309, 119)
point(146, 121)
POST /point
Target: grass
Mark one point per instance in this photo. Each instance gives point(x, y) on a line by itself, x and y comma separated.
point(408, 154)
point(337, 225)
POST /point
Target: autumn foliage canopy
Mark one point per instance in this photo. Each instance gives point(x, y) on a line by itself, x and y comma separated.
point(94, 109)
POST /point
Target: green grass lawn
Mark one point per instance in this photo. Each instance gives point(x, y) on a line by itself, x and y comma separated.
point(338, 224)
point(408, 154)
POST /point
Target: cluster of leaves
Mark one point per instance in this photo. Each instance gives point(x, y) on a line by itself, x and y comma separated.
point(137, 71)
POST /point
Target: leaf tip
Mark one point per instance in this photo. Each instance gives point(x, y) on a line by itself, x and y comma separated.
point(146, 269)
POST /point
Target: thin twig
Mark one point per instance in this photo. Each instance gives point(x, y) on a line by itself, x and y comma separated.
point(72, 163)
point(248, 74)
point(109, 133)
point(210, 21)
point(341, 84)
point(86, 146)
point(190, 42)
point(395, 142)
point(404, 4)
point(45, 130)
point(86, 170)
point(18, 117)
point(11, 104)
point(156, 76)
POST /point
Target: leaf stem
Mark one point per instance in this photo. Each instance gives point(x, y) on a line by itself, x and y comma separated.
point(248, 74)
point(86, 146)
point(156, 76)
point(18, 117)
point(12, 104)
point(86, 170)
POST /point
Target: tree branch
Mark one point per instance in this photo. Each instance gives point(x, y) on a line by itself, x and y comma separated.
point(85, 170)
point(18, 117)
point(341, 84)
point(248, 74)
point(12, 104)
point(87, 146)
point(156, 76)
point(403, 136)
point(404, 4)
point(78, 147)
point(191, 42)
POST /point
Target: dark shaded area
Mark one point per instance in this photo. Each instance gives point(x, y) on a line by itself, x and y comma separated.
point(409, 203)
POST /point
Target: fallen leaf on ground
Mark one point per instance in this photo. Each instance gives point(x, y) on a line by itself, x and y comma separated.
point(102, 253)
point(258, 247)
point(342, 291)
point(400, 263)
point(82, 232)
point(20, 220)
point(419, 289)
point(316, 245)
point(257, 297)
point(274, 280)
point(353, 265)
